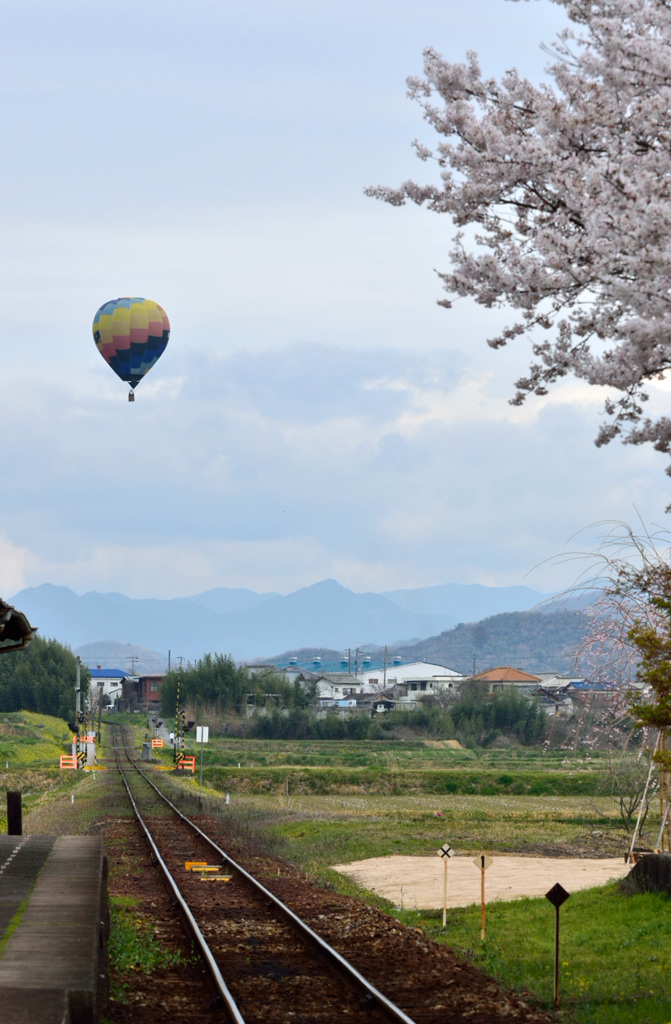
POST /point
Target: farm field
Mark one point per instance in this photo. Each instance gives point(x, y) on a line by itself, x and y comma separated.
point(334, 801)
point(612, 967)
point(389, 768)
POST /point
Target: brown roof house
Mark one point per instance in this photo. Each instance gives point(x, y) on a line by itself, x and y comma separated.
point(503, 676)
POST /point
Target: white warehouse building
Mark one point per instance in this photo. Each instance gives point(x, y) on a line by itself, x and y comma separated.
point(420, 677)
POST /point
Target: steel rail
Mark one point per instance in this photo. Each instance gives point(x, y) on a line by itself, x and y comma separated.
point(205, 950)
point(385, 1004)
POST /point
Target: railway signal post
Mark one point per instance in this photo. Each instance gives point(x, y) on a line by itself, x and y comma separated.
point(445, 852)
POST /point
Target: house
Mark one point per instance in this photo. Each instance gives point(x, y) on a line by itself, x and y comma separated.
point(140, 693)
point(556, 703)
point(506, 676)
point(149, 691)
point(111, 680)
point(418, 677)
point(585, 691)
point(332, 686)
point(377, 703)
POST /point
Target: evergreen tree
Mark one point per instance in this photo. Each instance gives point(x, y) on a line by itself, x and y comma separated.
point(41, 678)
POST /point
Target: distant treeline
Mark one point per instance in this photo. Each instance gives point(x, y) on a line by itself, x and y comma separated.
point(41, 678)
point(216, 680)
point(215, 686)
point(476, 721)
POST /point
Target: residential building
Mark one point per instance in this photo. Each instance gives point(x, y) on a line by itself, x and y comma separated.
point(506, 676)
point(111, 680)
point(414, 679)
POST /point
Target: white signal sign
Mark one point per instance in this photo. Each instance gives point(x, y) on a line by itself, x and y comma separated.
point(482, 861)
point(445, 851)
point(202, 734)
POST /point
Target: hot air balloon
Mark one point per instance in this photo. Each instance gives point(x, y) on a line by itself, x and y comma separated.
point(131, 335)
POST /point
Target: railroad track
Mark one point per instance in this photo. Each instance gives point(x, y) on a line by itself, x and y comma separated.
point(266, 964)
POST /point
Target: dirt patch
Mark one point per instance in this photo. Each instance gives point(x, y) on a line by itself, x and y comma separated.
point(417, 882)
point(444, 744)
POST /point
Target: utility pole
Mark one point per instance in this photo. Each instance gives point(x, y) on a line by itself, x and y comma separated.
point(384, 682)
point(100, 708)
point(178, 719)
point(78, 705)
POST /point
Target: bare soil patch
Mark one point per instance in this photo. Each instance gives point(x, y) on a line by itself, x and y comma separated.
point(417, 882)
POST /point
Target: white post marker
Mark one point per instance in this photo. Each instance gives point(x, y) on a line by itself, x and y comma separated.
point(202, 737)
point(482, 861)
point(445, 852)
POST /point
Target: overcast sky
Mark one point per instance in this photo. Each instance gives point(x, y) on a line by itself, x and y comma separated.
point(316, 413)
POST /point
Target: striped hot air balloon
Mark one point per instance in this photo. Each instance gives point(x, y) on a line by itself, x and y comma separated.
point(131, 335)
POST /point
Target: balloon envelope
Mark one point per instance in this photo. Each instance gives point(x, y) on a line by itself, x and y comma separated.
point(131, 335)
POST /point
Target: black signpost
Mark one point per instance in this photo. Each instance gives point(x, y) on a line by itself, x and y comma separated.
point(557, 895)
point(482, 861)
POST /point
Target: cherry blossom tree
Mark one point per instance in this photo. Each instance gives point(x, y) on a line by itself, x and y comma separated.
point(561, 194)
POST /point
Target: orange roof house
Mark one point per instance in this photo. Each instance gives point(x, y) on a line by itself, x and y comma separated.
point(505, 675)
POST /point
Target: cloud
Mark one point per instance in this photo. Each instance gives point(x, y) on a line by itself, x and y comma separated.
point(13, 567)
point(377, 465)
point(316, 413)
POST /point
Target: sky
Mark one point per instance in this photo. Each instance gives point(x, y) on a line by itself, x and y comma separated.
point(316, 413)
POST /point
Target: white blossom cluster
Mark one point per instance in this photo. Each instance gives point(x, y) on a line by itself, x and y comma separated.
point(568, 186)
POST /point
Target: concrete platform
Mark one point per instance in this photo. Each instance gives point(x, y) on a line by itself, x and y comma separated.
point(54, 924)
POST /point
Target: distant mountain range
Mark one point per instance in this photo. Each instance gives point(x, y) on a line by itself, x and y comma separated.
point(249, 625)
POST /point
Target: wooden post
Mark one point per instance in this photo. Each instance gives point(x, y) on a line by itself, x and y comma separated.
point(14, 822)
point(556, 1002)
point(482, 900)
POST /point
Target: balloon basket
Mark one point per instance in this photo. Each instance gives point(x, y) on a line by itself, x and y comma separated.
point(131, 396)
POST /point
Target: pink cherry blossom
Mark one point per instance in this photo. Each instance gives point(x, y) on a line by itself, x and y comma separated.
point(568, 188)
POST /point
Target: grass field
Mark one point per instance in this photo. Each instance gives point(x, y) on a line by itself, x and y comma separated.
point(613, 951)
point(613, 964)
point(393, 767)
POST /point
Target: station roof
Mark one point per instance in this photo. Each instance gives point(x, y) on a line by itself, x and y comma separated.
point(15, 630)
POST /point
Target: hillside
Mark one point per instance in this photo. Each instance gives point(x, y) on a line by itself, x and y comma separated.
point(533, 641)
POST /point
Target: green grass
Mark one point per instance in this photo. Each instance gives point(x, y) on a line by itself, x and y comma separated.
point(29, 740)
point(613, 951)
point(336, 829)
point(388, 755)
point(132, 946)
point(392, 767)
